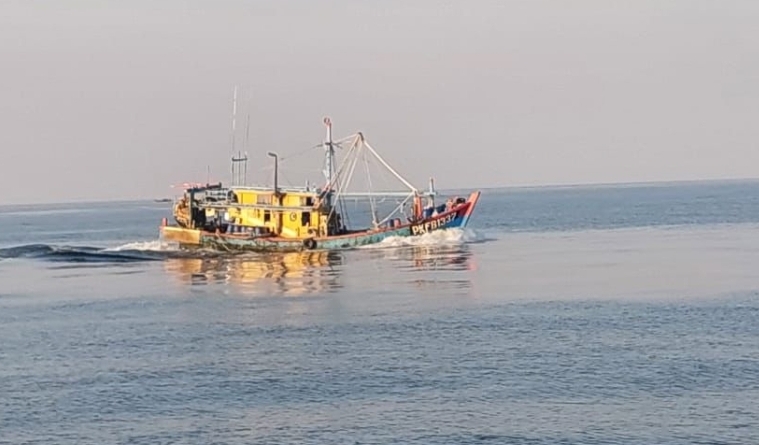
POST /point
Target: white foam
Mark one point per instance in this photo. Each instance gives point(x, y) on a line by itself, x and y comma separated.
point(146, 246)
point(434, 238)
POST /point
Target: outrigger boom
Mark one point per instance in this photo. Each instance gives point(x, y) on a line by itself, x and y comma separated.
point(277, 218)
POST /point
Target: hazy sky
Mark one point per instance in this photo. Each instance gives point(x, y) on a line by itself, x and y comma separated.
point(122, 99)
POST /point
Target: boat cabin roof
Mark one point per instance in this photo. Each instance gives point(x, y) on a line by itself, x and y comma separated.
point(259, 190)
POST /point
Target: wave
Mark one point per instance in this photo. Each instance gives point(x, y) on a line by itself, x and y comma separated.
point(155, 250)
point(82, 254)
point(130, 252)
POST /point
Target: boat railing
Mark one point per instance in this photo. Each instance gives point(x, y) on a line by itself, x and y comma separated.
point(224, 205)
point(268, 189)
point(217, 195)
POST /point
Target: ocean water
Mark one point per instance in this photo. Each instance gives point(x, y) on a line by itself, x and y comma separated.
point(577, 315)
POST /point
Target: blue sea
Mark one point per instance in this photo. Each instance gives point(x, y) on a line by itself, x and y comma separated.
point(562, 315)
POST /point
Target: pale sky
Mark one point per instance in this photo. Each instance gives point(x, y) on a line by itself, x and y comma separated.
point(121, 99)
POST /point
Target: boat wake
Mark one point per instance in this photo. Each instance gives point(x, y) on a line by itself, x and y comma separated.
point(157, 250)
point(131, 252)
point(436, 238)
point(144, 246)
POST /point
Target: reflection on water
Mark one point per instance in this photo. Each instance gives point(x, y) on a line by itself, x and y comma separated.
point(448, 257)
point(437, 268)
point(293, 273)
point(304, 273)
point(428, 268)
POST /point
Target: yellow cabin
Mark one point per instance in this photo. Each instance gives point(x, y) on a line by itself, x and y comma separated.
point(287, 213)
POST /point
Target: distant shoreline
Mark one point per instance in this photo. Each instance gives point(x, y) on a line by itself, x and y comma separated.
point(157, 201)
point(624, 184)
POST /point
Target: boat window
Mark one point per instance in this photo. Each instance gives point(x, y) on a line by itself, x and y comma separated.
point(267, 216)
point(309, 200)
point(305, 218)
point(263, 199)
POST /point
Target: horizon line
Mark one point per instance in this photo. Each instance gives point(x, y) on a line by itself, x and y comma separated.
point(451, 189)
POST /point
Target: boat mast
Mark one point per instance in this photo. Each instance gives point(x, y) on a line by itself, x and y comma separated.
point(329, 159)
point(234, 116)
point(276, 169)
point(239, 174)
point(245, 160)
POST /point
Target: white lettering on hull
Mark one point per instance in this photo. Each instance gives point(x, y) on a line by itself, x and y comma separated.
point(429, 226)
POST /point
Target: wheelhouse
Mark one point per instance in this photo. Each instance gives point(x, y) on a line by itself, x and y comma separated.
point(286, 213)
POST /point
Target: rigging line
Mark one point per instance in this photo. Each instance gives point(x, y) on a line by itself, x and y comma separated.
point(349, 178)
point(340, 141)
point(284, 176)
point(337, 144)
point(331, 182)
point(399, 207)
point(397, 175)
point(353, 148)
point(342, 166)
point(342, 184)
point(300, 153)
point(353, 169)
point(371, 197)
point(339, 179)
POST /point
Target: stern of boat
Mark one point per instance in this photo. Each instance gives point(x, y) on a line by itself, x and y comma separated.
point(181, 235)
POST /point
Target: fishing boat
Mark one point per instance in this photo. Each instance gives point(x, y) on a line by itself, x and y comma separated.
point(284, 219)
